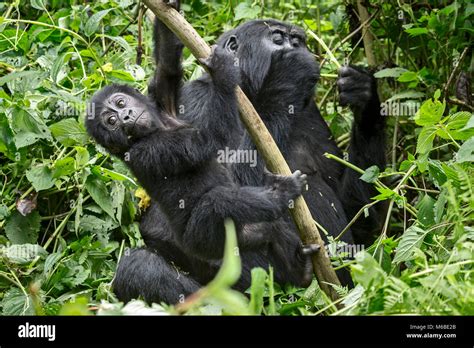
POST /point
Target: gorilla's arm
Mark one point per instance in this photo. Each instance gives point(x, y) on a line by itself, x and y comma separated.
point(358, 89)
point(166, 83)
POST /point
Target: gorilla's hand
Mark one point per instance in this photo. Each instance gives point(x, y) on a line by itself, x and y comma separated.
point(173, 3)
point(221, 66)
point(356, 87)
point(286, 188)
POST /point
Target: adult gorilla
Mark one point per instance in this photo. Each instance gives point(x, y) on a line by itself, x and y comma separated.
point(278, 74)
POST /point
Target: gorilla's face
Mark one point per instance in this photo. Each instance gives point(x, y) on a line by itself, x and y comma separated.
point(280, 37)
point(119, 115)
point(127, 112)
point(272, 51)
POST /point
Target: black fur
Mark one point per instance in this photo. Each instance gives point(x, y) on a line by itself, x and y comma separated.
point(280, 83)
point(176, 163)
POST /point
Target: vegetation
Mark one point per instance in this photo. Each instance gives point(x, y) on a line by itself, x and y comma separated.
point(68, 210)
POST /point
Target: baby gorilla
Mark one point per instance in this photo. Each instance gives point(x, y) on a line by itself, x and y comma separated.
point(176, 163)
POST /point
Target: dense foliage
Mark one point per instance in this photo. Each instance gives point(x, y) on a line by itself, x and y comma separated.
point(68, 210)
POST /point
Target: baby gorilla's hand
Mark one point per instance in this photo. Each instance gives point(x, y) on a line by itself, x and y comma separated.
point(356, 87)
point(222, 66)
point(172, 3)
point(286, 188)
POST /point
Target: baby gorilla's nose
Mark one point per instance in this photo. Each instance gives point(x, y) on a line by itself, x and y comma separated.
point(127, 114)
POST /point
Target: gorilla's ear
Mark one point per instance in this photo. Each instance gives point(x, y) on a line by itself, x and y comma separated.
point(231, 44)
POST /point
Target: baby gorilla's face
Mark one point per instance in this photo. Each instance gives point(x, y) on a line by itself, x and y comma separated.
point(126, 112)
point(120, 115)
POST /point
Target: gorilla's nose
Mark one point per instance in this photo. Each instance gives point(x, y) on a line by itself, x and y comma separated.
point(127, 115)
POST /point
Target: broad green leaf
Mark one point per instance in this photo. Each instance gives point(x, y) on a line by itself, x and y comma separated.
point(436, 171)
point(69, 132)
point(57, 70)
point(245, 11)
point(411, 240)
point(38, 4)
point(425, 140)
point(426, 211)
point(406, 95)
point(430, 113)
point(82, 156)
point(19, 74)
point(367, 272)
point(439, 207)
point(416, 31)
point(107, 174)
point(64, 167)
point(23, 229)
point(100, 194)
point(93, 22)
point(41, 177)
point(23, 253)
point(466, 152)
point(15, 302)
point(390, 72)
point(408, 76)
point(28, 128)
point(371, 174)
point(121, 75)
point(385, 193)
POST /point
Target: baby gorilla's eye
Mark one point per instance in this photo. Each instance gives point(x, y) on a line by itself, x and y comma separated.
point(112, 120)
point(120, 103)
point(295, 41)
point(277, 38)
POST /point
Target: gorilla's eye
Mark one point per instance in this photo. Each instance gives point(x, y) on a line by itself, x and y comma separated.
point(295, 41)
point(277, 38)
point(112, 120)
point(120, 103)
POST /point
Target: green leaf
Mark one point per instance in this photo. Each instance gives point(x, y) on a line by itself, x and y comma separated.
point(16, 75)
point(15, 302)
point(439, 207)
point(69, 132)
point(385, 193)
point(37, 4)
point(245, 11)
point(100, 194)
point(411, 240)
point(408, 76)
point(93, 22)
point(40, 177)
point(23, 229)
point(82, 156)
point(367, 272)
point(23, 253)
point(108, 174)
point(436, 171)
point(257, 290)
point(416, 31)
point(57, 70)
point(28, 128)
point(64, 167)
point(121, 75)
point(371, 174)
point(406, 95)
point(430, 113)
point(390, 72)
point(466, 152)
point(426, 211)
point(425, 140)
